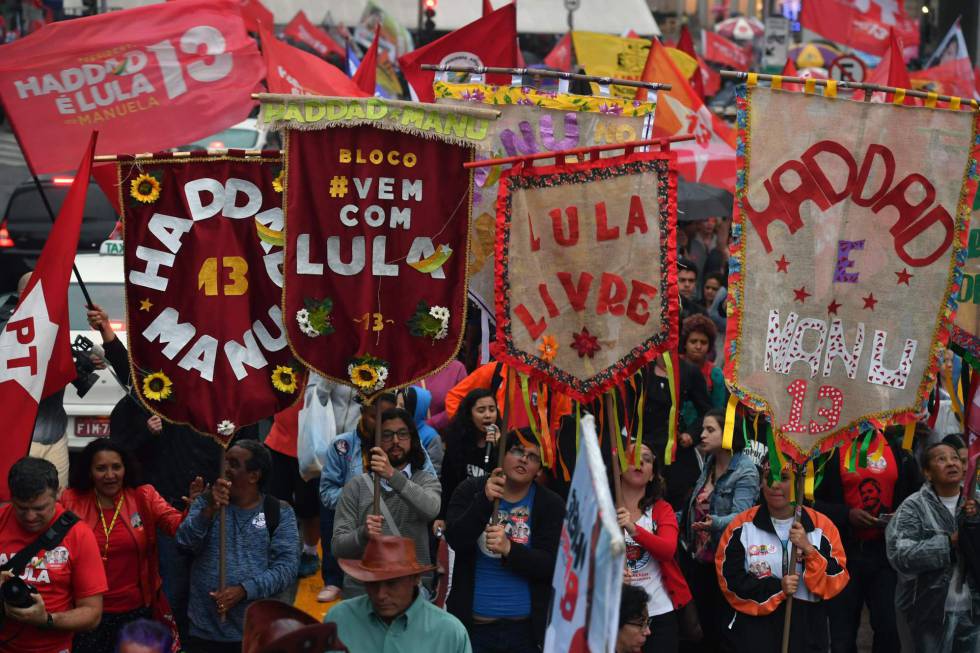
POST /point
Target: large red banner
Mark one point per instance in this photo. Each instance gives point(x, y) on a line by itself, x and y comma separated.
point(203, 284)
point(148, 79)
point(722, 51)
point(295, 72)
point(376, 250)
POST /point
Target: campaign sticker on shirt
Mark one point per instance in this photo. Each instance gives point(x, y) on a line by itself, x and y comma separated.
point(516, 525)
point(637, 557)
point(760, 569)
point(761, 549)
point(340, 446)
point(56, 558)
point(258, 521)
point(878, 464)
point(136, 521)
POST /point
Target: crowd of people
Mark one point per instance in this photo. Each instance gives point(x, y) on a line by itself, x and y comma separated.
point(445, 536)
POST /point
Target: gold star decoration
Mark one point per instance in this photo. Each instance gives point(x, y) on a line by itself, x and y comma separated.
point(146, 305)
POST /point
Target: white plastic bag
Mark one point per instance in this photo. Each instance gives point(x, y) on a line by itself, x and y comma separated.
point(317, 429)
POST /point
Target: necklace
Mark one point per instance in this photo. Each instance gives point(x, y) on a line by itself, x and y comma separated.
point(112, 525)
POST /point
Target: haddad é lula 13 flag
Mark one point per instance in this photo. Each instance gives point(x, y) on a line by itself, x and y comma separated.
point(147, 78)
point(35, 355)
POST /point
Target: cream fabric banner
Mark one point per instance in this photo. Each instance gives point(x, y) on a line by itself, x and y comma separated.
point(850, 222)
point(533, 121)
point(966, 332)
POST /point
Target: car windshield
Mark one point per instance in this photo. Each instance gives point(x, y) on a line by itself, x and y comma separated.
point(229, 138)
point(27, 205)
point(110, 296)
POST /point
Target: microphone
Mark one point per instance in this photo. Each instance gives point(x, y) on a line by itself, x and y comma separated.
point(492, 428)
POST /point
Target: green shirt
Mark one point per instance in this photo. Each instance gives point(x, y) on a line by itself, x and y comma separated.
point(362, 630)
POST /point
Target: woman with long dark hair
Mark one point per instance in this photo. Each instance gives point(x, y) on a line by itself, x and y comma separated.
point(470, 444)
point(651, 541)
point(105, 493)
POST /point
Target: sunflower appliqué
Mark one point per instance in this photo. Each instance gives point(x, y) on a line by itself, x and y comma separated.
point(145, 188)
point(157, 386)
point(284, 379)
point(548, 348)
point(368, 373)
point(314, 320)
point(279, 180)
point(429, 322)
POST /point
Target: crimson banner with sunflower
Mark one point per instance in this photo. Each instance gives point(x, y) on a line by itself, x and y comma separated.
point(203, 254)
point(585, 268)
point(376, 249)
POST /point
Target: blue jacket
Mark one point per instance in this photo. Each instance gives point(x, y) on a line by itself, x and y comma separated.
point(342, 462)
point(429, 436)
point(735, 491)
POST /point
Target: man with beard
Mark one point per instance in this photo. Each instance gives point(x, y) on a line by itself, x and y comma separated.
point(503, 566)
point(410, 498)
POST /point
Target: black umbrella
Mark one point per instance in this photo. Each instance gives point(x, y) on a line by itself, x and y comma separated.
point(696, 202)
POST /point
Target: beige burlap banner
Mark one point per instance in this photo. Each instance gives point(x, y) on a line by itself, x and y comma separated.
point(966, 328)
point(586, 269)
point(850, 224)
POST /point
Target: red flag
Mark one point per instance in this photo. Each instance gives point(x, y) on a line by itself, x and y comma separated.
point(291, 70)
point(710, 158)
point(301, 29)
point(891, 71)
point(789, 70)
point(488, 41)
point(367, 71)
point(148, 78)
point(35, 353)
point(862, 25)
point(686, 45)
point(257, 14)
point(722, 51)
point(487, 8)
point(710, 78)
point(951, 77)
point(560, 56)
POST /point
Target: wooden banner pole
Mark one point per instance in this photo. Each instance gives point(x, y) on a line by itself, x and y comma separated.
point(662, 142)
point(502, 441)
point(614, 444)
point(376, 502)
point(788, 618)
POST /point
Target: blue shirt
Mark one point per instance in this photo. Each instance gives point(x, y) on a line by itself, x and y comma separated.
point(499, 592)
point(423, 627)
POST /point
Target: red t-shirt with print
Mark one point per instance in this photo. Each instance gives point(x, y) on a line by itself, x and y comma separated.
point(71, 571)
point(871, 488)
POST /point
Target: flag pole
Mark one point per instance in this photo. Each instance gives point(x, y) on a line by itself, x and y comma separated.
point(376, 501)
point(47, 205)
point(798, 479)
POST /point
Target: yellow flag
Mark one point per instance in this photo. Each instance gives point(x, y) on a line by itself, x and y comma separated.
point(605, 55)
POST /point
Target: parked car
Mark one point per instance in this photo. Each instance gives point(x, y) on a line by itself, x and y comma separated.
point(88, 416)
point(246, 135)
point(28, 224)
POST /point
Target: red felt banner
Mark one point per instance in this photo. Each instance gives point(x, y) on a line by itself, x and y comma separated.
point(586, 269)
point(148, 79)
point(376, 254)
point(203, 287)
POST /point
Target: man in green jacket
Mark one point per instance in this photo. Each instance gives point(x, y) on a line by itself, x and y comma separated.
point(394, 616)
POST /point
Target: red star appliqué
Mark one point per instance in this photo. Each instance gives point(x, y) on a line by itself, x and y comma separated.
point(801, 294)
point(782, 265)
point(870, 301)
point(585, 343)
point(904, 276)
point(832, 307)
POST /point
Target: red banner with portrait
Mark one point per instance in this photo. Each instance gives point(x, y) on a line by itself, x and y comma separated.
point(203, 254)
point(376, 250)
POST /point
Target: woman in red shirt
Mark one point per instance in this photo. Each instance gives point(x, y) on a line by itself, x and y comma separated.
point(124, 516)
point(651, 541)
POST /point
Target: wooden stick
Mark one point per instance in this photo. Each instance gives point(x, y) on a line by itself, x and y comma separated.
point(222, 151)
point(788, 618)
point(662, 142)
point(743, 76)
point(502, 442)
point(614, 448)
point(376, 505)
point(222, 539)
point(541, 72)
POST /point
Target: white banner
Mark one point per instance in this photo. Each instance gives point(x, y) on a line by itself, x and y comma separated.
point(588, 576)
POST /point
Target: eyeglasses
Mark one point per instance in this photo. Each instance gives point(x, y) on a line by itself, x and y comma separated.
point(642, 625)
point(402, 434)
point(522, 454)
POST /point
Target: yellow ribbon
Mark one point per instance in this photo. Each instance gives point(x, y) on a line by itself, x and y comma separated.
point(954, 396)
point(809, 481)
point(909, 435)
point(954, 103)
point(831, 89)
point(674, 398)
point(776, 82)
point(899, 96)
point(931, 100)
point(752, 79)
point(729, 432)
point(809, 86)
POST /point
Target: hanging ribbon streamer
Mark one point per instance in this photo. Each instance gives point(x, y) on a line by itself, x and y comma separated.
point(880, 450)
point(578, 427)
point(526, 395)
point(639, 418)
point(909, 436)
point(548, 445)
point(776, 460)
point(809, 481)
point(745, 432)
point(729, 433)
point(617, 430)
point(863, 460)
point(484, 337)
point(954, 397)
point(792, 484)
point(671, 449)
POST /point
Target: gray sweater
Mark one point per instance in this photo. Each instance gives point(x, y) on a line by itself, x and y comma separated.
point(262, 566)
point(413, 504)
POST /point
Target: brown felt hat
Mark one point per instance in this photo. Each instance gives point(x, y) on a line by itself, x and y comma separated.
point(275, 627)
point(385, 558)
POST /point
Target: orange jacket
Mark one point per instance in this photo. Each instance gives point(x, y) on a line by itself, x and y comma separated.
point(482, 377)
point(154, 513)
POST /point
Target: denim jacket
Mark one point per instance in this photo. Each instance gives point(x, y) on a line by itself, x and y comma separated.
point(735, 491)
